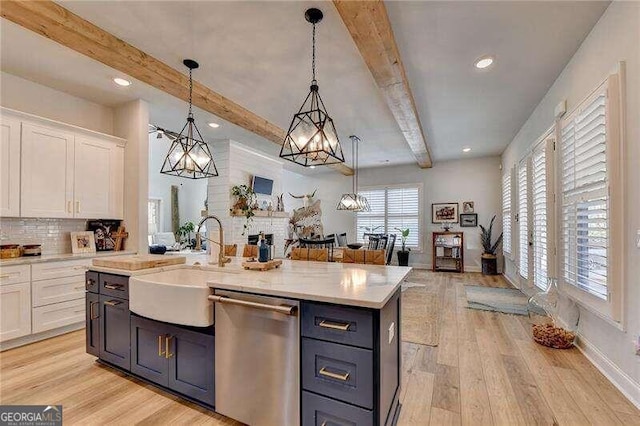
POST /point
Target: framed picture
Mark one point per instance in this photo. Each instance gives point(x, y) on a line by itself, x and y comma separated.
point(102, 229)
point(444, 212)
point(467, 207)
point(468, 220)
point(83, 242)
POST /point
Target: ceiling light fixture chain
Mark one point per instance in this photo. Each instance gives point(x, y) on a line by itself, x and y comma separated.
point(190, 93)
point(313, 56)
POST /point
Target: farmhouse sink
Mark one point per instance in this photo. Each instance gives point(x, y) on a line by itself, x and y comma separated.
point(178, 296)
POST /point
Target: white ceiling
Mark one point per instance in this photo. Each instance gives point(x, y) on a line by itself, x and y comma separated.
point(258, 54)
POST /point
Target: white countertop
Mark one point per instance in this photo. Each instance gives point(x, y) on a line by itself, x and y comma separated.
point(369, 286)
point(27, 260)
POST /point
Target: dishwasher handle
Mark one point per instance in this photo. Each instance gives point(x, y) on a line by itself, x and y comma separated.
point(281, 309)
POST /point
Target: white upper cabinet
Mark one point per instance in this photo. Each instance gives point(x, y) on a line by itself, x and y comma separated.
point(47, 171)
point(9, 167)
point(98, 179)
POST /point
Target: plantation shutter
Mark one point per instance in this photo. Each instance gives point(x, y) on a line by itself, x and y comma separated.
point(374, 220)
point(506, 212)
point(585, 200)
point(541, 187)
point(523, 219)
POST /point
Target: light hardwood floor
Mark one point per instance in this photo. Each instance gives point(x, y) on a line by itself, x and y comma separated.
point(486, 370)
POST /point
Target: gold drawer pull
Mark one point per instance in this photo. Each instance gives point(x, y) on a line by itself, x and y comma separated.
point(343, 377)
point(160, 351)
point(118, 287)
point(335, 325)
point(167, 342)
point(112, 302)
point(92, 314)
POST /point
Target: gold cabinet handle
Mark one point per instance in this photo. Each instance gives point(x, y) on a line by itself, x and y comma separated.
point(118, 287)
point(92, 314)
point(167, 343)
point(112, 302)
point(342, 377)
point(335, 325)
point(160, 351)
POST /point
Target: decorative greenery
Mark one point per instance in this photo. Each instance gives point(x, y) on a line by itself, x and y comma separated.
point(485, 236)
point(404, 234)
point(370, 229)
point(245, 198)
point(185, 231)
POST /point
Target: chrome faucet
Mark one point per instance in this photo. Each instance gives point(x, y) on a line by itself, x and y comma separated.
point(221, 257)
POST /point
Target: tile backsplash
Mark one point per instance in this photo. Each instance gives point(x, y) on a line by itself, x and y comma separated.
point(53, 234)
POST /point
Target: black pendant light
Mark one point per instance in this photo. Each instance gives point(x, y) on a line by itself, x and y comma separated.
point(353, 201)
point(189, 155)
point(312, 139)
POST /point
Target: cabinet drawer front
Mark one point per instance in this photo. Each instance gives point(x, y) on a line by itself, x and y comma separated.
point(91, 282)
point(114, 285)
point(320, 411)
point(58, 315)
point(15, 274)
point(350, 326)
point(339, 371)
point(67, 268)
point(15, 311)
point(57, 290)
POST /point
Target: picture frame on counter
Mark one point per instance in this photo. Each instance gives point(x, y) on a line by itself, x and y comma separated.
point(102, 230)
point(83, 242)
point(468, 220)
point(444, 212)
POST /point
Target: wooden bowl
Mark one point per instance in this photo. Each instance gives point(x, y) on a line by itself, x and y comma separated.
point(10, 251)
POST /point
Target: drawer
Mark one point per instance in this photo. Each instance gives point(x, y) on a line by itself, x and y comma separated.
point(339, 324)
point(67, 268)
point(114, 286)
point(57, 290)
point(15, 311)
point(58, 315)
point(320, 411)
point(338, 371)
point(15, 274)
point(91, 282)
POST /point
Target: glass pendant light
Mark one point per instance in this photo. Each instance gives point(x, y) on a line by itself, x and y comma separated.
point(353, 201)
point(189, 156)
point(312, 139)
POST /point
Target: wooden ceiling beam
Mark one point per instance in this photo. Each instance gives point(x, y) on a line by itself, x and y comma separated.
point(369, 25)
point(72, 31)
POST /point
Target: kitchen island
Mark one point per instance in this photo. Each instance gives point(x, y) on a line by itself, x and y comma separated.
point(308, 343)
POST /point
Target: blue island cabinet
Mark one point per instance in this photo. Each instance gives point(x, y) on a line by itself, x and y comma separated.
point(350, 364)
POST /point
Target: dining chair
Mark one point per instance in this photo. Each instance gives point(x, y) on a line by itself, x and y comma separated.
point(299, 253)
point(250, 251)
point(374, 257)
point(319, 244)
point(319, 255)
point(341, 239)
point(353, 256)
point(331, 237)
point(390, 245)
point(373, 242)
point(231, 250)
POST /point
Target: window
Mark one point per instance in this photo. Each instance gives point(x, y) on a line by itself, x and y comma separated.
point(589, 152)
point(523, 219)
point(391, 208)
point(541, 188)
point(506, 212)
point(154, 216)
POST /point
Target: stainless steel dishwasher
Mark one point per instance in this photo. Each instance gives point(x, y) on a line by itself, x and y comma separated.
point(257, 358)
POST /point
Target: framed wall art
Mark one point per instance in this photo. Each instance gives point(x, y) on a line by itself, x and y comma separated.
point(444, 212)
point(468, 220)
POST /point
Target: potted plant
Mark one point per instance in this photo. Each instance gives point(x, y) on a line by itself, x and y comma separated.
point(403, 253)
point(245, 198)
point(184, 233)
point(489, 258)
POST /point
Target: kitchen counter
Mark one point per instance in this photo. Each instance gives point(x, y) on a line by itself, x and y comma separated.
point(28, 260)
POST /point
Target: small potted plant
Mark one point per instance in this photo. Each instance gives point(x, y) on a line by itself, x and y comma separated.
point(184, 233)
point(245, 198)
point(489, 258)
point(403, 253)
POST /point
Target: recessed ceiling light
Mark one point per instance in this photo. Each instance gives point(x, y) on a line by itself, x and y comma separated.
point(121, 82)
point(466, 149)
point(214, 125)
point(484, 62)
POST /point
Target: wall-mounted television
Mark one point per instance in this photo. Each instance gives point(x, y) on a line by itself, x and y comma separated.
point(262, 185)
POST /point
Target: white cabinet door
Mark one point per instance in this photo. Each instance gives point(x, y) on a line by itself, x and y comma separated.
point(47, 171)
point(97, 165)
point(15, 311)
point(9, 167)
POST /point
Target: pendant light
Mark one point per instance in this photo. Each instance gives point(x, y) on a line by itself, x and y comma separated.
point(312, 139)
point(189, 155)
point(353, 201)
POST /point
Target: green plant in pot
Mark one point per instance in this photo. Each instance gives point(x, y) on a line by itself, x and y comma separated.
point(489, 258)
point(403, 253)
point(184, 233)
point(245, 198)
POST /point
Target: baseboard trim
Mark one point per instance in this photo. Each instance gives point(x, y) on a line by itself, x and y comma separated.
point(620, 379)
point(32, 338)
point(430, 267)
point(506, 277)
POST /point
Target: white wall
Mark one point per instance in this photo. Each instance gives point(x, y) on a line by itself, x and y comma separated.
point(476, 180)
point(191, 192)
point(24, 95)
point(614, 38)
point(330, 185)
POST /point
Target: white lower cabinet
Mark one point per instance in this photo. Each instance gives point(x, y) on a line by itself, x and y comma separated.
point(58, 315)
point(57, 290)
point(15, 310)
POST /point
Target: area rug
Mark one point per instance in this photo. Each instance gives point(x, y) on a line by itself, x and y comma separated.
point(421, 306)
point(505, 300)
